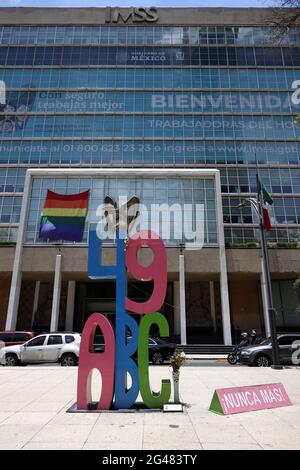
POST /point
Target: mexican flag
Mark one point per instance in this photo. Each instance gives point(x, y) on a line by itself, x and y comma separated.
point(266, 201)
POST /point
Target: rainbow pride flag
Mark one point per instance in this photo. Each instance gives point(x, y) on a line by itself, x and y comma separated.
point(63, 216)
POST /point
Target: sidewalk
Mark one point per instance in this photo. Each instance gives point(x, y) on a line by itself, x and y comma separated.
point(210, 357)
point(34, 400)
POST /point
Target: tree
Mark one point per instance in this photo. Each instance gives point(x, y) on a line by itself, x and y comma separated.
point(286, 13)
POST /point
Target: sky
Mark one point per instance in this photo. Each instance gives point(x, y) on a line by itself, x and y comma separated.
point(126, 3)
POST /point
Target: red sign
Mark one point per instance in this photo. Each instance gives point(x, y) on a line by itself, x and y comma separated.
point(227, 401)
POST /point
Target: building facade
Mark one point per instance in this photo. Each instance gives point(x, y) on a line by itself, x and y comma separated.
point(152, 89)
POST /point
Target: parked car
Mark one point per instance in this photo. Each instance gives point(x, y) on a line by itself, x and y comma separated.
point(11, 338)
point(159, 350)
point(45, 348)
point(261, 355)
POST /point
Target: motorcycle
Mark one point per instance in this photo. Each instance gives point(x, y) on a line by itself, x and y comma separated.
point(233, 358)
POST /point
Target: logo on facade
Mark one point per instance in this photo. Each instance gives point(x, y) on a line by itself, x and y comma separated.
point(14, 108)
point(132, 15)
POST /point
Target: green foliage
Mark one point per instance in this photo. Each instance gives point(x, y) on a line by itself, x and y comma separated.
point(271, 245)
point(287, 245)
point(297, 285)
point(252, 245)
point(297, 289)
point(248, 245)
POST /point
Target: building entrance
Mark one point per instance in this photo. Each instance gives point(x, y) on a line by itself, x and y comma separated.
point(203, 313)
point(100, 296)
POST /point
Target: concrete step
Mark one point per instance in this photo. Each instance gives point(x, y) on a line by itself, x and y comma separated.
point(210, 350)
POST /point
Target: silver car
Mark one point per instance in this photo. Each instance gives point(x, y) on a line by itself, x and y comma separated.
point(260, 355)
point(46, 348)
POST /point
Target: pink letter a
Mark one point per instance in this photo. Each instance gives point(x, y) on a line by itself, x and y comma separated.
point(103, 362)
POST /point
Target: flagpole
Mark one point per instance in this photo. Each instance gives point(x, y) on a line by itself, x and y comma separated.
point(266, 264)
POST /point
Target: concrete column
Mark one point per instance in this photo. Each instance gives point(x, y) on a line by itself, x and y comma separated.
point(176, 303)
point(56, 294)
point(225, 309)
point(16, 280)
point(182, 299)
point(13, 303)
point(70, 306)
point(223, 265)
point(35, 301)
point(264, 295)
point(213, 304)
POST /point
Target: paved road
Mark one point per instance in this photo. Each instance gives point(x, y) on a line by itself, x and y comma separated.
point(190, 363)
point(34, 400)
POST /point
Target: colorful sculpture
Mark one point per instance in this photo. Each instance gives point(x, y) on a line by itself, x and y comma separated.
point(118, 358)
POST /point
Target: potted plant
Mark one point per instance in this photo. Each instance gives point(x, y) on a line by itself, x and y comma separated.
point(177, 360)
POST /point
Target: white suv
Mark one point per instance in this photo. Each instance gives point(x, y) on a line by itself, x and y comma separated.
point(48, 347)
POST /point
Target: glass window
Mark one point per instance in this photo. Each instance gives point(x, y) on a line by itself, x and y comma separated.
point(6, 337)
point(39, 341)
point(174, 191)
point(287, 340)
point(68, 55)
point(54, 339)
point(146, 35)
point(21, 337)
point(153, 78)
point(69, 339)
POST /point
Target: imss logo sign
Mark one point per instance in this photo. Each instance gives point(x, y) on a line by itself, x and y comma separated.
point(133, 15)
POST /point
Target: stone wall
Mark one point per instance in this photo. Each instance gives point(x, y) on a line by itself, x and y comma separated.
point(198, 307)
point(204, 262)
point(244, 304)
point(166, 16)
point(26, 305)
point(198, 311)
point(42, 317)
